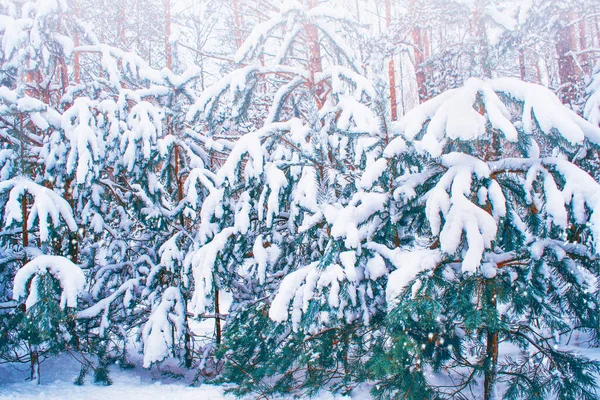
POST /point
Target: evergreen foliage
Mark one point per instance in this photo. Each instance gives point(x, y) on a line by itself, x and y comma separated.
point(452, 253)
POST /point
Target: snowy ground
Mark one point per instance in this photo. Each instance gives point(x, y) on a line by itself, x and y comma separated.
point(58, 376)
point(137, 384)
point(59, 373)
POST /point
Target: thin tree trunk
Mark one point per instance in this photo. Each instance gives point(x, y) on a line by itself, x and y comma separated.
point(314, 56)
point(583, 44)
point(179, 184)
point(597, 31)
point(73, 244)
point(566, 65)
point(479, 22)
point(24, 196)
point(490, 370)
point(189, 349)
point(522, 68)
point(35, 364)
point(168, 47)
point(217, 313)
point(391, 70)
point(236, 21)
point(76, 71)
point(419, 61)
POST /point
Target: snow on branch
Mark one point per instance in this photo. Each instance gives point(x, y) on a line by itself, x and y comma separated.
point(294, 18)
point(592, 106)
point(350, 223)
point(450, 199)
point(116, 62)
point(408, 264)
point(69, 275)
point(103, 306)
point(165, 327)
point(300, 287)
point(202, 263)
point(46, 204)
point(81, 131)
point(145, 124)
point(251, 144)
point(252, 46)
point(465, 113)
point(237, 82)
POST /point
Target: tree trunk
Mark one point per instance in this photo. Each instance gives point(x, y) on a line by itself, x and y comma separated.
point(314, 58)
point(597, 31)
point(419, 61)
point(34, 356)
point(25, 232)
point(583, 45)
point(236, 21)
point(491, 361)
point(391, 70)
point(479, 21)
point(168, 47)
point(522, 69)
point(566, 65)
point(189, 349)
point(490, 372)
point(76, 43)
point(217, 313)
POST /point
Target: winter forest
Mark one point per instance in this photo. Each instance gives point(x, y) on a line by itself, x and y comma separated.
point(349, 199)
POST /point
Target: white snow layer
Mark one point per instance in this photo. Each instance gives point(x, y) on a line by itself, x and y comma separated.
point(463, 114)
point(69, 275)
point(46, 205)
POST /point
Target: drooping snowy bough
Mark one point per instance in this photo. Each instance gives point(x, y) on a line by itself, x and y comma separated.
point(69, 276)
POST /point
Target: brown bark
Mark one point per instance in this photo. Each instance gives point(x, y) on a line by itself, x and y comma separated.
point(597, 21)
point(34, 357)
point(522, 67)
point(566, 64)
point(217, 313)
point(179, 183)
point(64, 76)
point(583, 44)
point(427, 43)
point(490, 372)
point(315, 66)
point(391, 69)
point(492, 350)
point(417, 38)
point(24, 197)
point(168, 47)
point(236, 21)
point(76, 67)
point(479, 25)
point(73, 238)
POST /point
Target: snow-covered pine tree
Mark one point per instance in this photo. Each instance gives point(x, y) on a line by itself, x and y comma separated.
point(36, 216)
point(502, 274)
point(285, 227)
